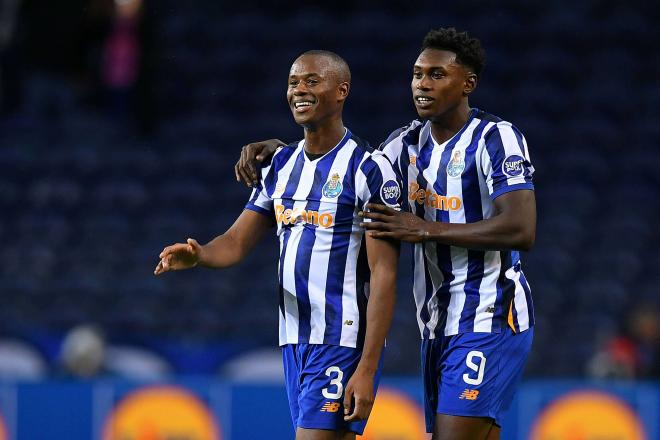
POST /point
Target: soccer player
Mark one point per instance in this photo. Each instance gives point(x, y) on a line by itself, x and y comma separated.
point(336, 286)
point(470, 210)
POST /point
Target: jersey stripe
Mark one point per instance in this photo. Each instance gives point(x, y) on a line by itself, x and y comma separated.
point(459, 290)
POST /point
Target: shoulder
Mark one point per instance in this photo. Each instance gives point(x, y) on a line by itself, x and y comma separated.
point(401, 138)
point(499, 126)
point(281, 155)
point(361, 145)
point(408, 131)
point(377, 162)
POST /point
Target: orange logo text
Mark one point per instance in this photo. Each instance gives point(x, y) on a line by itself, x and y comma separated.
point(432, 200)
point(293, 216)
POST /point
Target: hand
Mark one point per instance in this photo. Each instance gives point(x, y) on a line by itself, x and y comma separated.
point(390, 223)
point(360, 388)
point(179, 256)
point(251, 154)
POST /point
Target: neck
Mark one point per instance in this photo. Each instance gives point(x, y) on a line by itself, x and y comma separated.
point(321, 139)
point(448, 124)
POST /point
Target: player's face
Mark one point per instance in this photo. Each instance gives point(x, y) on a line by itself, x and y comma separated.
point(439, 83)
point(314, 92)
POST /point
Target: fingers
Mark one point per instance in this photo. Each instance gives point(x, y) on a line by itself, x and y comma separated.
point(193, 246)
point(385, 234)
point(361, 410)
point(164, 265)
point(381, 208)
point(242, 171)
point(372, 215)
point(248, 158)
point(248, 161)
point(236, 173)
point(348, 399)
point(378, 226)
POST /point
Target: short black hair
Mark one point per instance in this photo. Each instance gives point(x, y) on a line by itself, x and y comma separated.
point(343, 70)
point(468, 50)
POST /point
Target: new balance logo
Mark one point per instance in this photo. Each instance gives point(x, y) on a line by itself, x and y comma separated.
point(490, 310)
point(348, 322)
point(332, 407)
point(469, 394)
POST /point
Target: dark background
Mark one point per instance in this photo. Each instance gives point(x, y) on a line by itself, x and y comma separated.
point(100, 168)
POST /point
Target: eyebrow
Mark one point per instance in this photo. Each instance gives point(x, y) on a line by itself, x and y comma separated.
point(306, 75)
point(418, 67)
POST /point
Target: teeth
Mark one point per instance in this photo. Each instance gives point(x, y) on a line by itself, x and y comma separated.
point(302, 104)
point(423, 99)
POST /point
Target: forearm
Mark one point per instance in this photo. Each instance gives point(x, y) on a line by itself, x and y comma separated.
point(497, 233)
point(380, 309)
point(223, 251)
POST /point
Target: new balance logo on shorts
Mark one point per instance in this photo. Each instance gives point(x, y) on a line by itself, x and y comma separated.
point(332, 407)
point(469, 394)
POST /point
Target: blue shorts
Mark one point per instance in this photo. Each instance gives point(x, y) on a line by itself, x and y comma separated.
point(473, 374)
point(316, 376)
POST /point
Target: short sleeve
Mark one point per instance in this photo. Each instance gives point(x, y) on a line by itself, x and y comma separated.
point(377, 182)
point(505, 161)
point(260, 201)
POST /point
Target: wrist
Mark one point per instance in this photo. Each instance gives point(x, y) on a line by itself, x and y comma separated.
point(202, 258)
point(433, 231)
point(425, 232)
point(366, 368)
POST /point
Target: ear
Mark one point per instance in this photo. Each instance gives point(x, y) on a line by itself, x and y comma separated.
point(342, 91)
point(470, 83)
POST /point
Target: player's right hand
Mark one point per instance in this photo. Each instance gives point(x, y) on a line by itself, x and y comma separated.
point(251, 156)
point(179, 256)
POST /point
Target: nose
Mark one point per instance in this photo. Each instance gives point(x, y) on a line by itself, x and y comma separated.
point(300, 89)
point(423, 83)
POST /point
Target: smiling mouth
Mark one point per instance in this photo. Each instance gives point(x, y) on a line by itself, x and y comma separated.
point(423, 100)
point(301, 106)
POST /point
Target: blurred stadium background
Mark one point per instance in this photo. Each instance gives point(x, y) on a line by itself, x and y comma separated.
point(121, 122)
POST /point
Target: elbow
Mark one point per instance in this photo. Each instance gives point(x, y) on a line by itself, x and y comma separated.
point(525, 241)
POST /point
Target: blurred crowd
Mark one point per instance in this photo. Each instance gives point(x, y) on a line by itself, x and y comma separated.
point(91, 53)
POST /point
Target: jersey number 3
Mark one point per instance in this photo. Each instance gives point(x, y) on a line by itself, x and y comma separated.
point(334, 382)
point(480, 368)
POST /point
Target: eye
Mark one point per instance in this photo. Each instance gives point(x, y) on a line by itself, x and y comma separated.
point(437, 75)
point(417, 75)
point(312, 82)
point(293, 83)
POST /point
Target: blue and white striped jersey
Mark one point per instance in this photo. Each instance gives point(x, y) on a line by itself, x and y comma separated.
point(459, 290)
point(323, 269)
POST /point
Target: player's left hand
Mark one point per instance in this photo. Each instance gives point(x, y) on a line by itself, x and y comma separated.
point(390, 223)
point(360, 389)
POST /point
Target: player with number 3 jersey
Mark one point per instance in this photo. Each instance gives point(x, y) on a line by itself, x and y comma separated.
point(336, 285)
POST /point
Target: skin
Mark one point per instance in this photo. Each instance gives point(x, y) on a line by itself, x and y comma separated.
point(324, 84)
point(446, 84)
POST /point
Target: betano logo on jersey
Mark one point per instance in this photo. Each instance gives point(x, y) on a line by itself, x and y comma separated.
point(293, 216)
point(431, 199)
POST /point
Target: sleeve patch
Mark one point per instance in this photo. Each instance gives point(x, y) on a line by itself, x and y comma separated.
point(390, 192)
point(513, 166)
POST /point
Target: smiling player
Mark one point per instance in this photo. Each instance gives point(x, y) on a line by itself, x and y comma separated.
point(471, 207)
point(337, 287)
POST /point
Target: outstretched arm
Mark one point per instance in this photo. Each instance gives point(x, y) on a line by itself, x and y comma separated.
point(246, 169)
point(383, 258)
point(223, 251)
point(512, 227)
